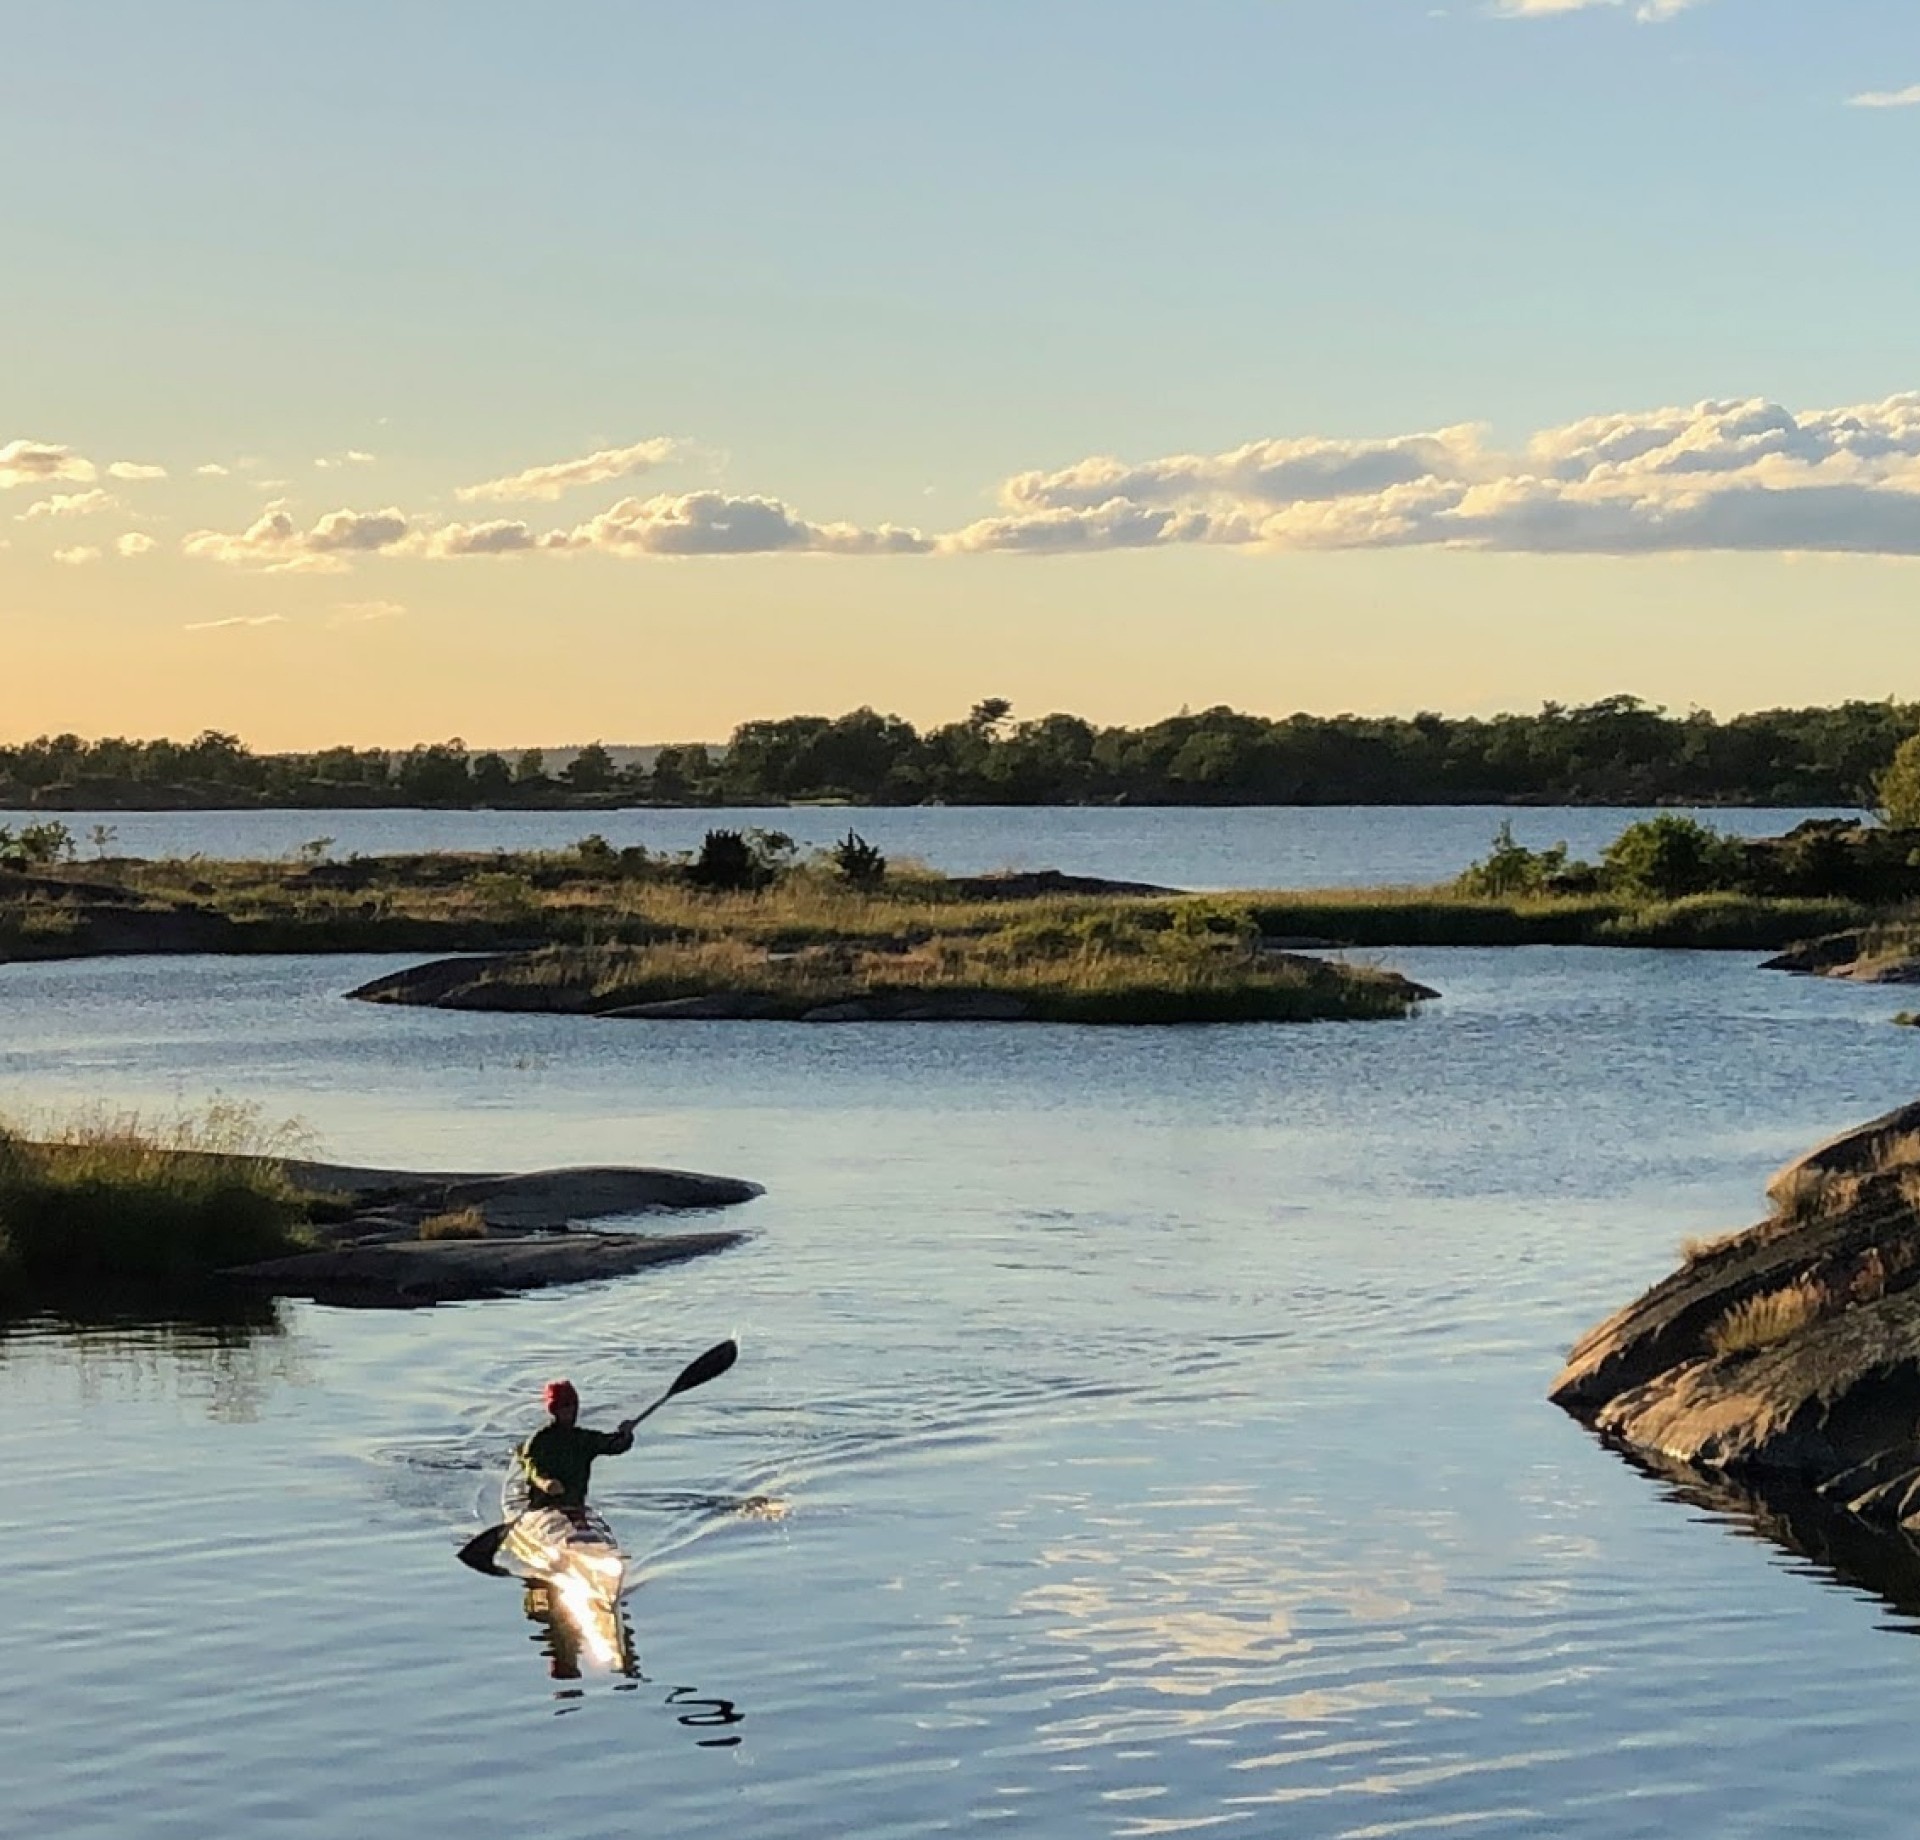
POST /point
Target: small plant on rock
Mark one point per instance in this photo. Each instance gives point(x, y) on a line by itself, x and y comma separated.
point(455, 1223)
point(1768, 1318)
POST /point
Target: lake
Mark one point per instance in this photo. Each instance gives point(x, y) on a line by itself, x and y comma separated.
point(1135, 1432)
point(1291, 846)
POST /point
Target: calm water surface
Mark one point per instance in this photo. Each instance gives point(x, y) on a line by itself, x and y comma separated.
point(1136, 1432)
point(1259, 847)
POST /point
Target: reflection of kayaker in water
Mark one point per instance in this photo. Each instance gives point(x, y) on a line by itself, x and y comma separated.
point(558, 1459)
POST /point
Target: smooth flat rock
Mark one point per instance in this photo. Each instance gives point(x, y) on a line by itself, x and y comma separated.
point(540, 1198)
point(1843, 1392)
point(924, 1006)
point(721, 1006)
point(1815, 957)
point(1026, 884)
point(1900, 968)
point(400, 1274)
point(1850, 1152)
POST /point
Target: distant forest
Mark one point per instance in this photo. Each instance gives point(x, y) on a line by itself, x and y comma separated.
point(1619, 751)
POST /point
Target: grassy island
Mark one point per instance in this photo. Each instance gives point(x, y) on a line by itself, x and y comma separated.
point(1092, 962)
point(111, 1215)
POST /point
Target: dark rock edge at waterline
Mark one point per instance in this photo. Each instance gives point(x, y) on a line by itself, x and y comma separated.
point(472, 983)
point(374, 1255)
point(1822, 1406)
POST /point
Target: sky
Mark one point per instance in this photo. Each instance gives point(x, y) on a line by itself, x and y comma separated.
point(378, 373)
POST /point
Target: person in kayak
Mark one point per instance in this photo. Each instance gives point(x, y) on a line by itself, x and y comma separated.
point(558, 1458)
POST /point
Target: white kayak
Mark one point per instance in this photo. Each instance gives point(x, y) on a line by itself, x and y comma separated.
point(573, 1560)
point(571, 1548)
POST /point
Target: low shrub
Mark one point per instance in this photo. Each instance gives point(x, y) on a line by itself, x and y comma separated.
point(1670, 856)
point(728, 862)
point(1510, 868)
point(858, 863)
point(455, 1223)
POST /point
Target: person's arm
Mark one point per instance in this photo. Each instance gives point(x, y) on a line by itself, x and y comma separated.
point(537, 1483)
point(620, 1438)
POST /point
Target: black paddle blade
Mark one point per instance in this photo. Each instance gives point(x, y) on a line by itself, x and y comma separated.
point(710, 1366)
point(481, 1551)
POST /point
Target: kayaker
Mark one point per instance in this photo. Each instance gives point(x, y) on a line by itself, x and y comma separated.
point(558, 1458)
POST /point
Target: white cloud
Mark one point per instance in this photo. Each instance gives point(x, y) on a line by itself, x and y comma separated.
point(1647, 11)
point(68, 504)
point(682, 524)
point(258, 619)
point(1272, 470)
point(548, 482)
point(78, 556)
point(358, 613)
point(135, 470)
point(1746, 475)
point(27, 463)
point(135, 543)
point(276, 544)
point(352, 457)
point(1907, 98)
point(212, 470)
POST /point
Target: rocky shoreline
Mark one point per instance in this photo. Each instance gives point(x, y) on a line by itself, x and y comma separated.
point(1785, 1359)
point(1861, 957)
point(369, 1250)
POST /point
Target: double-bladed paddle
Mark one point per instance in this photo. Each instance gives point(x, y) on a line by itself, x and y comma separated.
point(481, 1551)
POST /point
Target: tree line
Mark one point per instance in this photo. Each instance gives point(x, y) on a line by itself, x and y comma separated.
point(1619, 750)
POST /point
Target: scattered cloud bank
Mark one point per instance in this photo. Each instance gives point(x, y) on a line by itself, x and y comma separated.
point(78, 556)
point(680, 524)
point(354, 456)
point(32, 463)
point(686, 524)
point(548, 482)
point(1746, 475)
point(275, 543)
point(1907, 98)
point(1720, 476)
point(134, 470)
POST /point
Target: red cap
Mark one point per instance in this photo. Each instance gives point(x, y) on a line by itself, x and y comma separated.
point(560, 1393)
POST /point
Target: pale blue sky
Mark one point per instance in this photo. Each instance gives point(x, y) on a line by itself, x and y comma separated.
point(871, 261)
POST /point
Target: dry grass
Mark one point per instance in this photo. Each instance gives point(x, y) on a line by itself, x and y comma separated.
point(1771, 1317)
point(1818, 1194)
point(109, 1200)
point(564, 896)
point(1193, 961)
point(456, 1223)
